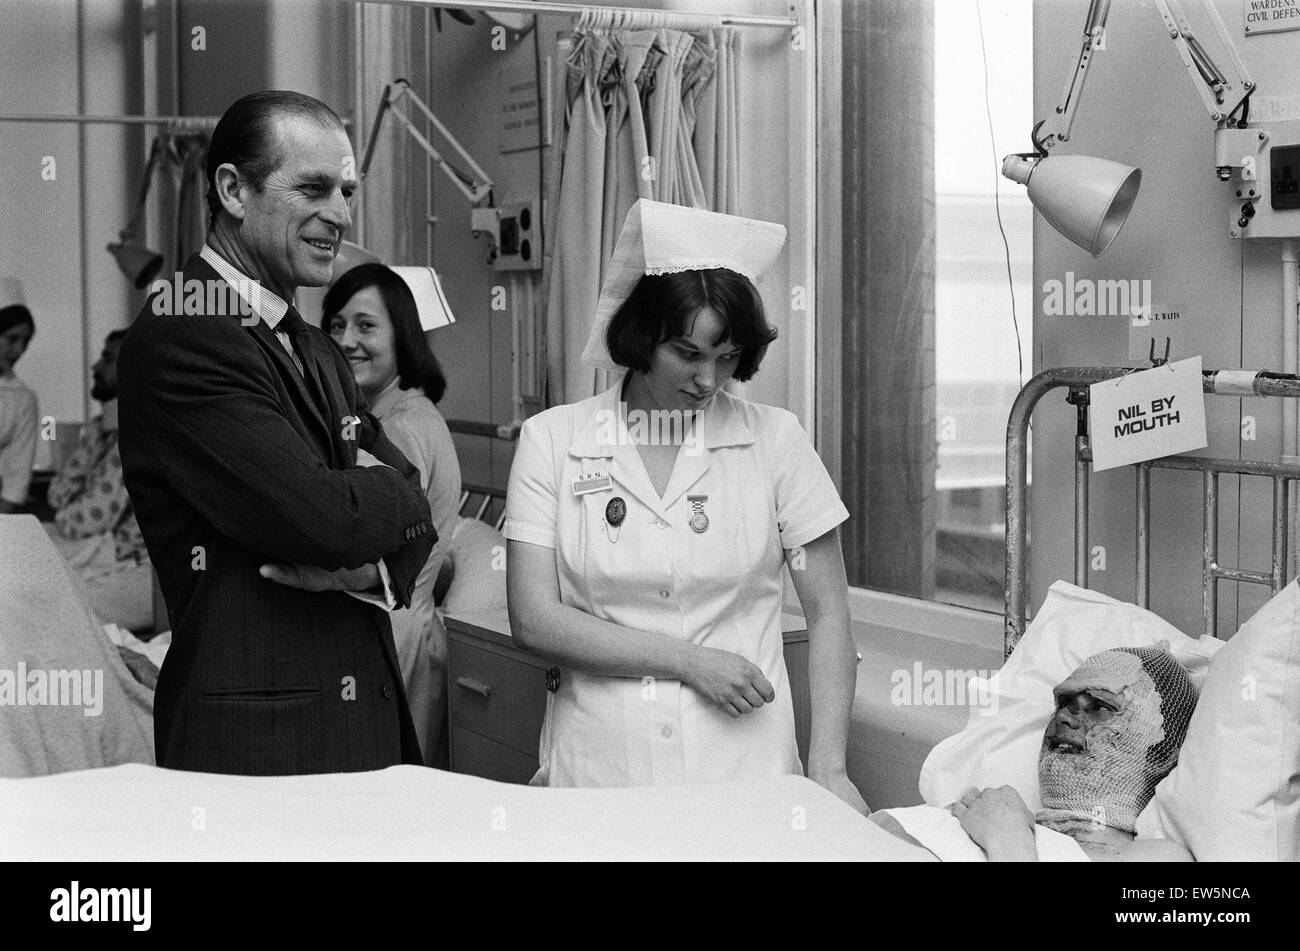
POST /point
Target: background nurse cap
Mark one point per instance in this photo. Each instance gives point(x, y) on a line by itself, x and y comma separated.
point(662, 238)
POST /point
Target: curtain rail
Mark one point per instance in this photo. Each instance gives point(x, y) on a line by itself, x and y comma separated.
point(577, 9)
point(197, 121)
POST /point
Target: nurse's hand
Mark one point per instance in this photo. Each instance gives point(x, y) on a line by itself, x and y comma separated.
point(840, 784)
point(728, 681)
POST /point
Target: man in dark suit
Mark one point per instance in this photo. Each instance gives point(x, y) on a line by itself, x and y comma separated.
point(276, 513)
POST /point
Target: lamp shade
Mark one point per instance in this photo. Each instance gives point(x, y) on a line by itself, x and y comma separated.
point(1084, 198)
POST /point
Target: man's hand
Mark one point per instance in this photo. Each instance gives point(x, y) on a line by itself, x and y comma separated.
point(312, 578)
point(999, 822)
point(728, 681)
point(839, 783)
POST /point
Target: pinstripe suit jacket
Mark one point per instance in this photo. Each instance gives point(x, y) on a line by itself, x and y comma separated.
point(231, 463)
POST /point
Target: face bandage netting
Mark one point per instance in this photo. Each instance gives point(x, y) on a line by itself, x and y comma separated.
point(1100, 762)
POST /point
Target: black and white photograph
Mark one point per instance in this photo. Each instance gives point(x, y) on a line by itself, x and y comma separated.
point(651, 431)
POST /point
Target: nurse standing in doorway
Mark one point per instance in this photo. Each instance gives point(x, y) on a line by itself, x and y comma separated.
point(648, 527)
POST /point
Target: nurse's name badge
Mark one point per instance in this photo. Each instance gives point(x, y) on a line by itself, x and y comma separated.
point(699, 521)
point(590, 482)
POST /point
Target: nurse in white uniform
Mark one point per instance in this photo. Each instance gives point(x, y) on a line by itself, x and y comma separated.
point(647, 529)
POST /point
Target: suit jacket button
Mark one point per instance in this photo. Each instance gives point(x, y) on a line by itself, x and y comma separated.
point(387, 692)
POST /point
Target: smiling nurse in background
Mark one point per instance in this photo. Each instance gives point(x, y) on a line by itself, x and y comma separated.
point(648, 527)
point(372, 315)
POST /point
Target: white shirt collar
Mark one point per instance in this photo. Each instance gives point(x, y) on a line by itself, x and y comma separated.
point(266, 304)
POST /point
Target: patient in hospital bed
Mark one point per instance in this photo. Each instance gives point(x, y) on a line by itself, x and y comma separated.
point(1120, 720)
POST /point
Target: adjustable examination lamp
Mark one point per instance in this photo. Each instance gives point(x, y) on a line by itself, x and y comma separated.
point(1088, 199)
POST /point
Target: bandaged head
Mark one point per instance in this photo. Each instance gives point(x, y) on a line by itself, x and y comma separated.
point(662, 238)
point(1120, 720)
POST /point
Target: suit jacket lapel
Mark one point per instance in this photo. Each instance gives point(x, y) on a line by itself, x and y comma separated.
point(324, 376)
point(296, 382)
point(310, 408)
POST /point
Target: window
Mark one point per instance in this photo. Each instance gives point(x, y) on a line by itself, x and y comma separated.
point(977, 370)
point(929, 367)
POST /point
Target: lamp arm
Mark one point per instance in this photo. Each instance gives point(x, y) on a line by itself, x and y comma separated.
point(1222, 94)
point(1213, 86)
point(476, 190)
point(1056, 128)
point(384, 106)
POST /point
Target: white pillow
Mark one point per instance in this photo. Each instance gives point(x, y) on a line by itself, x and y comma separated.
point(1001, 741)
point(477, 556)
point(1235, 793)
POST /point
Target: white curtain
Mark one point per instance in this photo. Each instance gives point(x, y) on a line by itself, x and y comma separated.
point(649, 111)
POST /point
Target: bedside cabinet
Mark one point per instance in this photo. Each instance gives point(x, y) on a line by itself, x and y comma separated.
point(497, 695)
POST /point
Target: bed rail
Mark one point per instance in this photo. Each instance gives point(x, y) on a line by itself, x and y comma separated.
point(1077, 380)
point(483, 502)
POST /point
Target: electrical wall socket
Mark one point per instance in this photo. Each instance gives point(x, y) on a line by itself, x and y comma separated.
point(1265, 198)
point(519, 236)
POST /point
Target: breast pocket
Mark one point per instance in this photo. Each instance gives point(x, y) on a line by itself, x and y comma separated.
point(625, 561)
point(738, 540)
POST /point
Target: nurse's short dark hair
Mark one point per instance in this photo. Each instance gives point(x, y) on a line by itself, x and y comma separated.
point(245, 137)
point(661, 307)
point(416, 363)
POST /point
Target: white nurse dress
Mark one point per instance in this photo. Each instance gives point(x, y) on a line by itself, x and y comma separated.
point(766, 490)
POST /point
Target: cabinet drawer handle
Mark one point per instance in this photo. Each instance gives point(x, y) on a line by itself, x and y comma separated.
point(477, 686)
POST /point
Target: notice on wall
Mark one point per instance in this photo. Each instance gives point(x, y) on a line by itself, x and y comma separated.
point(1147, 414)
point(1270, 16)
point(519, 129)
point(1158, 330)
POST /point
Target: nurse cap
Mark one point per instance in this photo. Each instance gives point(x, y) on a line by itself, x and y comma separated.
point(11, 293)
point(662, 238)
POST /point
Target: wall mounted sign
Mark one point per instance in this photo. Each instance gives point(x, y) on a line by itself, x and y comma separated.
point(1158, 323)
point(1270, 16)
point(1147, 414)
point(518, 98)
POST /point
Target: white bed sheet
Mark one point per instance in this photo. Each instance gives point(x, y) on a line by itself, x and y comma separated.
point(136, 812)
point(46, 625)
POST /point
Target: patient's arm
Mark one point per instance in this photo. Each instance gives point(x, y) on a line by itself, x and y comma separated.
point(999, 822)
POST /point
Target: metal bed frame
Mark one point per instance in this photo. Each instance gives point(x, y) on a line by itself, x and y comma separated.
point(1077, 380)
point(484, 502)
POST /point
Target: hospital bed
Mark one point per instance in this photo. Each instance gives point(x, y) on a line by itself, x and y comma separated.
point(83, 788)
point(1235, 792)
point(1076, 380)
point(139, 811)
